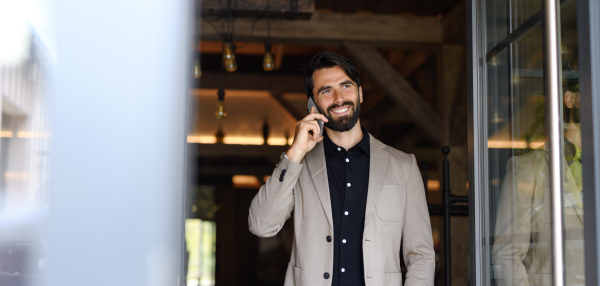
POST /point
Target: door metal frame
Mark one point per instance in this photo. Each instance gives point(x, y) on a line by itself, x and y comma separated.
point(589, 67)
point(475, 117)
point(588, 26)
point(553, 90)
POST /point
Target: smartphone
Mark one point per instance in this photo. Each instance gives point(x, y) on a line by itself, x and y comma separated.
point(311, 103)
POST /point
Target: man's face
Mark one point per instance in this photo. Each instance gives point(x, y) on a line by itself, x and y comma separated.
point(572, 105)
point(337, 97)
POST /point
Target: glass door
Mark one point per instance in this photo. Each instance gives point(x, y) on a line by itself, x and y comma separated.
point(526, 148)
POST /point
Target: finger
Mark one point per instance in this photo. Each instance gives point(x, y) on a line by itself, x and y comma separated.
point(309, 125)
point(312, 126)
point(314, 116)
point(312, 110)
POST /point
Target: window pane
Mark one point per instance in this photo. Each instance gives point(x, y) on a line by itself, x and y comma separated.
point(496, 22)
point(523, 10)
point(573, 184)
point(517, 195)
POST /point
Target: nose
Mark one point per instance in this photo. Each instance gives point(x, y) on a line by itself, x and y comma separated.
point(337, 97)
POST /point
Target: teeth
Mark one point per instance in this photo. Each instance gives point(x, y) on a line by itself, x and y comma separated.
point(340, 110)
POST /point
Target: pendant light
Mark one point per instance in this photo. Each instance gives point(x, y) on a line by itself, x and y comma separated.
point(229, 61)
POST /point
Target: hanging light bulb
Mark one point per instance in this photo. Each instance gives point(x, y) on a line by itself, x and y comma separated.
point(220, 113)
point(196, 68)
point(229, 54)
point(268, 64)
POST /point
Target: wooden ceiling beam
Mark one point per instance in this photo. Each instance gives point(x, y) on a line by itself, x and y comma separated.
point(288, 106)
point(455, 24)
point(278, 55)
point(397, 88)
point(371, 100)
point(262, 8)
point(413, 61)
point(332, 29)
point(253, 81)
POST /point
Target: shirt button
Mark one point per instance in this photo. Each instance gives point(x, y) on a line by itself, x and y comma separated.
point(349, 185)
point(326, 275)
point(343, 241)
point(347, 160)
point(339, 149)
point(346, 212)
point(328, 238)
point(343, 270)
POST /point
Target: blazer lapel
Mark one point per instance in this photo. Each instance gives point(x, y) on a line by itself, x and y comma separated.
point(317, 167)
point(377, 169)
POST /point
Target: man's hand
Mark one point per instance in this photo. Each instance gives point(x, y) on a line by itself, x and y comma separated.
point(303, 140)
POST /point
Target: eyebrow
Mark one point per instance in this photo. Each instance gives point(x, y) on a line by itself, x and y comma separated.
point(341, 83)
point(348, 82)
point(323, 88)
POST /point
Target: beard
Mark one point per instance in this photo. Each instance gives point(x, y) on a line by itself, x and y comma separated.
point(346, 122)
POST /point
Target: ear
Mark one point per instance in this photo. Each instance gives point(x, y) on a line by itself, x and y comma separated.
point(569, 99)
point(360, 94)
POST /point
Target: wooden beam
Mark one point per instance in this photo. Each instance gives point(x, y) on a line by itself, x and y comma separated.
point(423, 79)
point(371, 100)
point(398, 88)
point(287, 105)
point(455, 24)
point(278, 55)
point(272, 153)
point(396, 57)
point(265, 8)
point(332, 29)
point(413, 61)
point(451, 63)
point(256, 49)
point(269, 81)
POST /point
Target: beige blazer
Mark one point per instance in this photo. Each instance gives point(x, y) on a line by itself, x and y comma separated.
point(396, 211)
point(522, 246)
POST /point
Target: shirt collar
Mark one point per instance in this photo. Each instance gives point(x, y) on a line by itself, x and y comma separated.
point(363, 144)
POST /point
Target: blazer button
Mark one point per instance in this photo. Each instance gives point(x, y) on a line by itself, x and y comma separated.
point(328, 238)
point(326, 275)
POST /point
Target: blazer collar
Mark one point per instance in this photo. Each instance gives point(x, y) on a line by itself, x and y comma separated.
point(315, 160)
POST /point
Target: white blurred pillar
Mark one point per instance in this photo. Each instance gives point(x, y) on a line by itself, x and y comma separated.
point(118, 111)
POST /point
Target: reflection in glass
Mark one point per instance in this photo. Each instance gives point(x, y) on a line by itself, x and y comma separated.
point(573, 189)
point(519, 198)
point(518, 193)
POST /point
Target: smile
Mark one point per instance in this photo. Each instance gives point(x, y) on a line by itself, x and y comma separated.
point(341, 110)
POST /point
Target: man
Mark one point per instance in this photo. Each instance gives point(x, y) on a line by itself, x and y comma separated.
point(354, 199)
point(522, 252)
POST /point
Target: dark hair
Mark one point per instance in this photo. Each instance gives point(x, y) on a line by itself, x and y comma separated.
point(328, 60)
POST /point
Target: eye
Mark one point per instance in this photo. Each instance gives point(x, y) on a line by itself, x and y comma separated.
point(347, 86)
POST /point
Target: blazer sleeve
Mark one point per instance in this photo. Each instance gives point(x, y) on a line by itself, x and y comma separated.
point(274, 203)
point(419, 255)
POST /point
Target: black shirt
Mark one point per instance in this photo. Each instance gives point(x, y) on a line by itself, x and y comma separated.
point(348, 176)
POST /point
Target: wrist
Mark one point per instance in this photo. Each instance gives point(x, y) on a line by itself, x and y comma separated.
point(295, 155)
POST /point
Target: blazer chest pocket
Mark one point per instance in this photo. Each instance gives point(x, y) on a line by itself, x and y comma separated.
point(390, 205)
